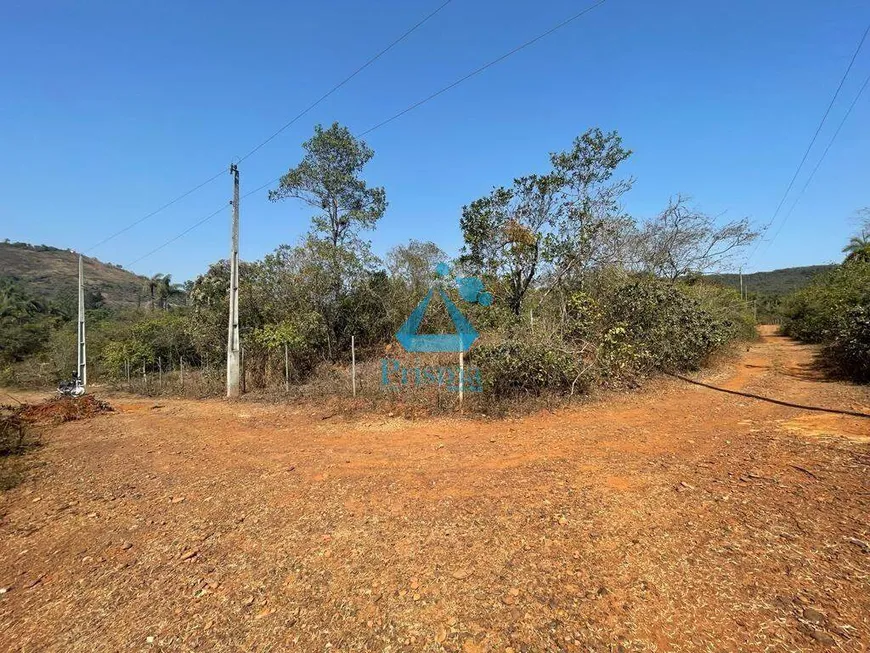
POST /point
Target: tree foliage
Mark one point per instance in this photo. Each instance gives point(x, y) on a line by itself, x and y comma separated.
point(552, 219)
point(328, 180)
point(858, 247)
point(25, 322)
point(834, 310)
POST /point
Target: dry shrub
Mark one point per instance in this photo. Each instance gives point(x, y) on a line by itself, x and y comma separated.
point(17, 436)
point(64, 409)
point(13, 430)
point(333, 383)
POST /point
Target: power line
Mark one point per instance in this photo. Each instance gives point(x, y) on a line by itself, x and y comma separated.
point(346, 79)
point(484, 67)
point(397, 115)
point(818, 165)
point(174, 238)
point(812, 142)
point(155, 212)
point(198, 223)
point(284, 127)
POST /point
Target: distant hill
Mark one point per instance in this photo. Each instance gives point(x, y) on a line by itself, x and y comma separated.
point(775, 283)
point(52, 274)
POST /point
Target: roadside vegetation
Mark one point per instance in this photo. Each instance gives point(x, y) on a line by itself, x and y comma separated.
point(584, 294)
point(768, 290)
point(835, 311)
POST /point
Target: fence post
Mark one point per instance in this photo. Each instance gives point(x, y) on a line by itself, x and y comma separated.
point(181, 367)
point(461, 377)
point(353, 363)
point(286, 369)
point(160, 371)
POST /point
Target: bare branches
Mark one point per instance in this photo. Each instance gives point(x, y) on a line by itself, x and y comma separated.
point(682, 240)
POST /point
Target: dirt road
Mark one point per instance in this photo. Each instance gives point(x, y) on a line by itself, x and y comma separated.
point(677, 518)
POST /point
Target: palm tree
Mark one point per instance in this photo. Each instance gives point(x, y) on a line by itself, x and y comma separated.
point(858, 249)
point(166, 290)
point(164, 287)
point(151, 286)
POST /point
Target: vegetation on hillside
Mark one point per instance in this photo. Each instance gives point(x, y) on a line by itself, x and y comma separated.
point(835, 310)
point(50, 275)
point(583, 292)
point(766, 290)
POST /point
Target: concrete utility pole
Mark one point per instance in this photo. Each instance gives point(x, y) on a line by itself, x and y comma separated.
point(82, 370)
point(233, 332)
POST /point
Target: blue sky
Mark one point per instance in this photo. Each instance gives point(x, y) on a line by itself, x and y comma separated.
point(110, 109)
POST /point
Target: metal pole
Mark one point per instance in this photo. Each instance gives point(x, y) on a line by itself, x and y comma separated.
point(461, 376)
point(286, 369)
point(233, 347)
point(353, 363)
point(82, 368)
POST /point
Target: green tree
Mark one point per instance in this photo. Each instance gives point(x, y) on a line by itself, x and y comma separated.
point(547, 224)
point(592, 229)
point(858, 249)
point(66, 301)
point(414, 263)
point(166, 290)
point(208, 301)
point(25, 322)
point(411, 273)
point(151, 287)
point(328, 179)
point(504, 232)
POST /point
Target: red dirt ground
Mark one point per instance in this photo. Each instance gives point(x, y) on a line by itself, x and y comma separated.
point(673, 519)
